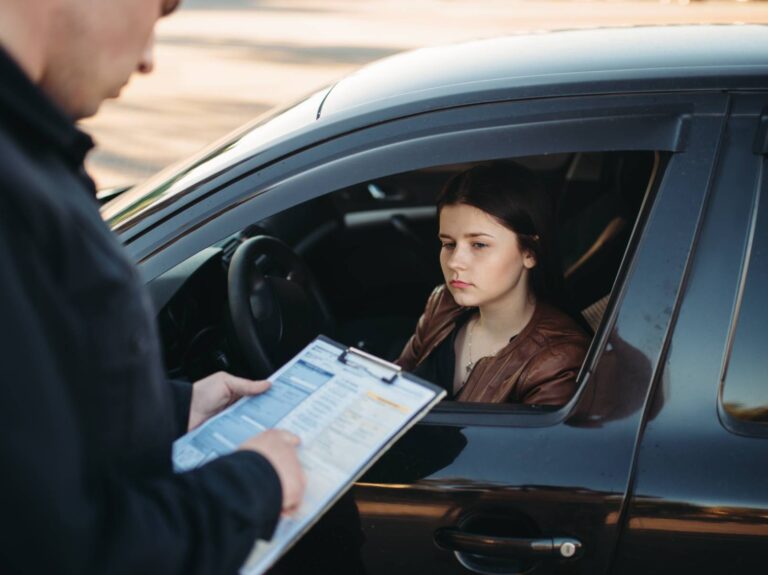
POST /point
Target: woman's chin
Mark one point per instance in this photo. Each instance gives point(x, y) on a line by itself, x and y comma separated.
point(463, 299)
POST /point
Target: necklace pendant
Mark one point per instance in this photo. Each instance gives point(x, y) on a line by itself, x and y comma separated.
point(469, 367)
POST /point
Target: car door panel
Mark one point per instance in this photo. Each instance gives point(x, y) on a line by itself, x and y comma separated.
point(699, 499)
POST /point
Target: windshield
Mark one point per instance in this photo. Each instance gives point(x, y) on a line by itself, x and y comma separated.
point(235, 148)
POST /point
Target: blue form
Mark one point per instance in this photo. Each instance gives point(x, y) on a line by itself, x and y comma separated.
point(261, 412)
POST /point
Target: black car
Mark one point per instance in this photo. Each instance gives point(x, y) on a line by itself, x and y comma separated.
point(652, 142)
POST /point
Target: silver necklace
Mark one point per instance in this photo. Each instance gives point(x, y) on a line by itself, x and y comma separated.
point(470, 363)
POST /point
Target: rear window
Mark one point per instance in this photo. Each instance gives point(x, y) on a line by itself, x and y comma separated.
point(745, 383)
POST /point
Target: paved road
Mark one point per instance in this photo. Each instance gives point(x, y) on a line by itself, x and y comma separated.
point(222, 62)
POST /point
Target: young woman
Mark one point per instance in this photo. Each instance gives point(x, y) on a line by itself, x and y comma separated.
point(492, 332)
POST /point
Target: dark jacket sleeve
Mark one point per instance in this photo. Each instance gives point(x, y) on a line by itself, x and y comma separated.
point(59, 515)
point(415, 350)
point(182, 400)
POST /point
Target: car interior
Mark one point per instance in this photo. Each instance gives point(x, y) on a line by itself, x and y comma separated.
point(369, 254)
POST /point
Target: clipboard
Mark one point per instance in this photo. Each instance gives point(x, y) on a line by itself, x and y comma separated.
point(348, 406)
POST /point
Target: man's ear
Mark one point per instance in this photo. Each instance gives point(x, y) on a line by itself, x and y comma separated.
point(169, 6)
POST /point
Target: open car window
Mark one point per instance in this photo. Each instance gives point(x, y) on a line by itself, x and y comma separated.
point(383, 259)
point(373, 250)
point(359, 212)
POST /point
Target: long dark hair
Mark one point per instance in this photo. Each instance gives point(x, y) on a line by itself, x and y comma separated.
point(514, 196)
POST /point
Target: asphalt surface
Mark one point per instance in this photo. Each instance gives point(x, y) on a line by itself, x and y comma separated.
point(220, 63)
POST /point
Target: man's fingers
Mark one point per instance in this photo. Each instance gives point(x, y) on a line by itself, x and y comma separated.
point(241, 386)
point(289, 437)
point(279, 447)
point(294, 488)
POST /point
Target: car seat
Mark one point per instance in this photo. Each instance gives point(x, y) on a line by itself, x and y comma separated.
point(597, 209)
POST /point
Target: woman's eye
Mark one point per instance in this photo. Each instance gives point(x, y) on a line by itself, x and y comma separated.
point(479, 245)
point(448, 246)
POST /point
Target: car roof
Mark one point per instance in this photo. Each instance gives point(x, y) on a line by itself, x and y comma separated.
point(571, 61)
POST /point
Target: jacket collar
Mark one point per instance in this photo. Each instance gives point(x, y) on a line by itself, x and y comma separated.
point(26, 109)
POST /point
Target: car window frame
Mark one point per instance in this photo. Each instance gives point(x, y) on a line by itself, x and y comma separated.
point(501, 130)
point(587, 114)
point(728, 419)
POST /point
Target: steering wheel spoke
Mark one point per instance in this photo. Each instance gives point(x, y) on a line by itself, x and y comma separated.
point(273, 316)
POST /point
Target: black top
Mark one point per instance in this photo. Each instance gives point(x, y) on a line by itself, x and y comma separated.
point(88, 417)
point(439, 367)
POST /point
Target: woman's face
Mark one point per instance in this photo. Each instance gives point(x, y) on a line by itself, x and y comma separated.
point(481, 259)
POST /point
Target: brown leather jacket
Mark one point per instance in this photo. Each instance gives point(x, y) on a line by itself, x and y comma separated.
point(539, 366)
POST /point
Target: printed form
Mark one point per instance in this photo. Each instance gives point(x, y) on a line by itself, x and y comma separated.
point(346, 408)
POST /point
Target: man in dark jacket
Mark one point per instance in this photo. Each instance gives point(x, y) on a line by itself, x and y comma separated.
point(88, 419)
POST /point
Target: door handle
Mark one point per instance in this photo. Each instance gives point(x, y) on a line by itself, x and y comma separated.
point(508, 547)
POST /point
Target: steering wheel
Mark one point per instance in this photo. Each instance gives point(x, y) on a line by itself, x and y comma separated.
point(274, 303)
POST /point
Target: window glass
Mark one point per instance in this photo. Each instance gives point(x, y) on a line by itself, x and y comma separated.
point(745, 387)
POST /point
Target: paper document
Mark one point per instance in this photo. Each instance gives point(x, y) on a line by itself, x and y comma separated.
point(346, 406)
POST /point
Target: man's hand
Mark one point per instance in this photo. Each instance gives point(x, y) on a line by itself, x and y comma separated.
point(220, 390)
point(279, 447)
point(212, 394)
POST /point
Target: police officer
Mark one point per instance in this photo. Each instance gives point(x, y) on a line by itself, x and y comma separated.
point(87, 417)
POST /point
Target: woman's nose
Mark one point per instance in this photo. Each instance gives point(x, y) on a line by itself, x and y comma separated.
point(457, 260)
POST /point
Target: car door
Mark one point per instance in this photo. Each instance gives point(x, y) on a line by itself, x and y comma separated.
point(498, 488)
point(699, 499)
point(508, 489)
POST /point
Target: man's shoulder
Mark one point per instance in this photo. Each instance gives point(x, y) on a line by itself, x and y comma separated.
point(21, 174)
point(32, 183)
point(11, 151)
point(39, 217)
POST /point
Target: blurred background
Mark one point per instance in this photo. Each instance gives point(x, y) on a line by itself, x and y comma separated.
point(221, 63)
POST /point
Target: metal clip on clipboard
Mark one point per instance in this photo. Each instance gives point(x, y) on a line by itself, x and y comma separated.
point(374, 366)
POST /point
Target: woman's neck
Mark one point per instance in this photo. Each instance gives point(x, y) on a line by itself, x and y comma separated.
point(506, 318)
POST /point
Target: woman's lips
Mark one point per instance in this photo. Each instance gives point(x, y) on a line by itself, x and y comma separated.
point(459, 284)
